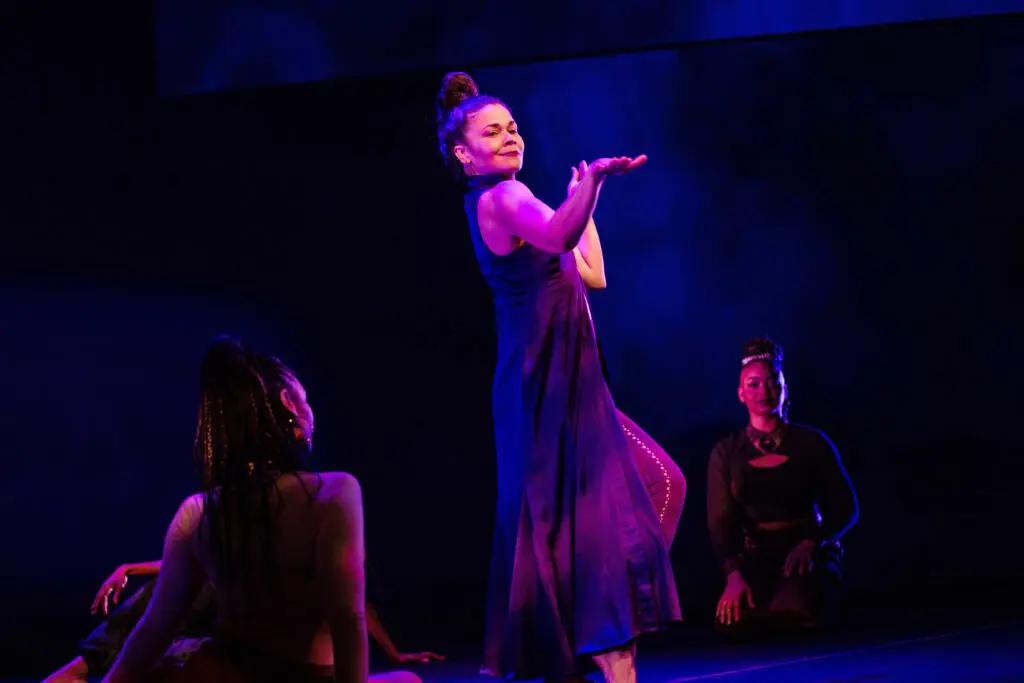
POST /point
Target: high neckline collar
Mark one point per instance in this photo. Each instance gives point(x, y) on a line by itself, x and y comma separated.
point(767, 442)
point(478, 182)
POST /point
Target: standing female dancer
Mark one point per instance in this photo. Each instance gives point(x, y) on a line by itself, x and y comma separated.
point(665, 482)
point(580, 566)
point(282, 547)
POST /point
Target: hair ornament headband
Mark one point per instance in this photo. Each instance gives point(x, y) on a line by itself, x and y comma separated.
point(761, 356)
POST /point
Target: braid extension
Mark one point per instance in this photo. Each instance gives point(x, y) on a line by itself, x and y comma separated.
point(266, 471)
point(240, 445)
point(244, 442)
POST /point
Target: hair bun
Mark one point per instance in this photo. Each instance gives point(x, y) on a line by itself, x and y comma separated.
point(227, 346)
point(763, 346)
point(226, 356)
point(456, 88)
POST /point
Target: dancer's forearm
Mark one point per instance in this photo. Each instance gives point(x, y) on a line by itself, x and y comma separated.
point(571, 219)
point(142, 568)
point(375, 627)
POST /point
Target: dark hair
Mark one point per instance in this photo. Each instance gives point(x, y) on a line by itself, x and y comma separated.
point(244, 442)
point(457, 100)
point(764, 346)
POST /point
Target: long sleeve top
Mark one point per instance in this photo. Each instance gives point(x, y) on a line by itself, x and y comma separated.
point(811, 484)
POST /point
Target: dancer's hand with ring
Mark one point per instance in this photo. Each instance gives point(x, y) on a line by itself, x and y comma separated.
point(736, 589)
point(800, 558)
point(110, 590)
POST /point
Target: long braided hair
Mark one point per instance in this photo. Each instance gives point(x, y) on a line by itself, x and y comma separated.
point(245, 441)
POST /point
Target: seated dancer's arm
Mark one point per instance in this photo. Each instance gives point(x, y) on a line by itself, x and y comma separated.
point(836, 499)
point(110, 589)
point(510, 209)
point(177, 587)
point(376, 629)
point(341, 576)
point(142, 568)
point(723, 513)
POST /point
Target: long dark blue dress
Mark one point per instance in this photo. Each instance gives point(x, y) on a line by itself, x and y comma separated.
point(580, 563)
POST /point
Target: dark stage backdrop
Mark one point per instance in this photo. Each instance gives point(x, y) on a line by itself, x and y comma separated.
point(852, 194)
point(205, 47)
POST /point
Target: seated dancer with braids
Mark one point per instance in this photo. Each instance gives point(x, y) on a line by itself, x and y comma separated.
point(282, 547)
point(665, 482)
point(100, 649)
point(580, 567)
point(779, 501)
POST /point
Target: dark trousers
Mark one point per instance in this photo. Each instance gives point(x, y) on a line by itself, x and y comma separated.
point(102, 647)
point(784, 605)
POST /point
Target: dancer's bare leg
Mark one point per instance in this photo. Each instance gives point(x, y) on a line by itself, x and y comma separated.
point(75, 671)
point(618, 666)
point(396, 677)
point(664, 480)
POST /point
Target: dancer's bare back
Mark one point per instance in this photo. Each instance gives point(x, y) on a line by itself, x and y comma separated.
point(318, 545)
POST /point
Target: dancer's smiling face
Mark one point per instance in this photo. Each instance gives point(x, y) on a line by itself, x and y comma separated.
point(490, 142)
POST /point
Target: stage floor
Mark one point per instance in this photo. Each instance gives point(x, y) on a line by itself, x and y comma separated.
point(991, 652)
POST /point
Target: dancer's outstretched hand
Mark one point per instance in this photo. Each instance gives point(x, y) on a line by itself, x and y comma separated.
point(617, 165)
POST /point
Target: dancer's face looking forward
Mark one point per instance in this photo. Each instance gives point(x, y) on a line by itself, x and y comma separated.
point(762, 389)
point(491, 143)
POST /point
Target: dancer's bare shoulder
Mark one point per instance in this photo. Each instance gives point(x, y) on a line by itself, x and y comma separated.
point(339, 485)
point(509, 214)
point(341, 498)
point(188, 517)
point(501, 206)
point(340, 549)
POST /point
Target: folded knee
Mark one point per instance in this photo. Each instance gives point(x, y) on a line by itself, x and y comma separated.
point(76, 671)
